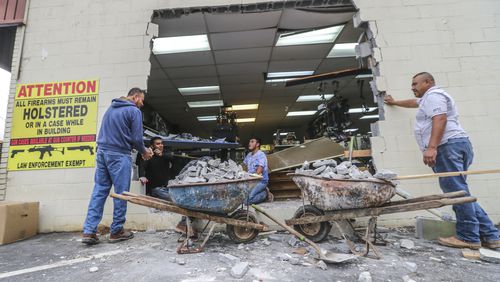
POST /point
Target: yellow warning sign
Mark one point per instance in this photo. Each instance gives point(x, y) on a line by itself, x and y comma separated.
point(54, 125)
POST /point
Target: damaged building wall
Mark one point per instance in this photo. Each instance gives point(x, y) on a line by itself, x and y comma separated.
point(458, 41)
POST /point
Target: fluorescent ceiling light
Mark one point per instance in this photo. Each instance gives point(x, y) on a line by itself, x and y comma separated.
point(350, 130)
point(362, 110)
point(300, 113)
point(199, 90)
point(180, 44)
point(206, 118)
point(278, 80)
point(313, 98)
point(243, 107)
point(369, 117)
point(240, 120)
point(288, 74)
point(324, 35)
point(343, 50)
point(359, 76)
point(205, 104)
point(282, 133)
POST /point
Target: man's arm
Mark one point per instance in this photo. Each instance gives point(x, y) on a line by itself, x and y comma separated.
point(438, 127)
point(409, 103)
point(137, 136)
point(142, 166)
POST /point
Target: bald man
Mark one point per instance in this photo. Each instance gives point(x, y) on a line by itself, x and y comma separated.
point(446, 148)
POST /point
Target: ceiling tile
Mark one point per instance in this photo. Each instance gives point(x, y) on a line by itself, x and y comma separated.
point(196, 81)
point(336, 64)
point(239, 22)
point(191, 24)
point(243, 39)
point(246, 68)
point(242, 55)
point(299, 19)
point(159, 84)
point(190, 72)
point(294, 65)
point(241, 79)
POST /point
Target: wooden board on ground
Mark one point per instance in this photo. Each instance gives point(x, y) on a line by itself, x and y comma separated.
point(317, 149)
point(359, 154)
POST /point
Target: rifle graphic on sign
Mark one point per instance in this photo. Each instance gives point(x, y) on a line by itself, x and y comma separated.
point(45, 149)
point(82, 148)
point(13, 153)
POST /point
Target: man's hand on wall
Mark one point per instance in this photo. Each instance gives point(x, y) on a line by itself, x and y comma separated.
point(143, 180)
point(389, 100)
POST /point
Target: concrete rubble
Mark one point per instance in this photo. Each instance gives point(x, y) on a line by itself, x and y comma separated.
point(345, 170)
point(489, 255)
point(240, 269)
point(365, 276)
point(406, 244)
point(188, 137)
point(209, 170)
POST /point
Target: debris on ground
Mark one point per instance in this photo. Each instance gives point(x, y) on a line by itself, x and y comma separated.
point(321, 264)
point(407, 244)
point(385, 174)
point(407, 278)
point(93, 269)
point(471, 254)
point(240, 269)
point(228, 258)
point(365, 276)
point(181, 261)
point(207, 169)
point(489, 255)
point(411, 266)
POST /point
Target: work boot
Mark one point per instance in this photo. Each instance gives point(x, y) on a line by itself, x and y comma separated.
point(270, 196)
point(494, 245)
point(121, 235)
point(454, 242)
point(90, 239)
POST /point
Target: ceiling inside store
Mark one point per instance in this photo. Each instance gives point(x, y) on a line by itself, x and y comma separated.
point(243, 49)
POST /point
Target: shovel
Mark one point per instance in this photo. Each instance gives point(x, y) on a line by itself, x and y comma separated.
point(324, 255)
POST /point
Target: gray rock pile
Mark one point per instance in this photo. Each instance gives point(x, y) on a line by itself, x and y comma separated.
point(345, 170)
point(209, 170)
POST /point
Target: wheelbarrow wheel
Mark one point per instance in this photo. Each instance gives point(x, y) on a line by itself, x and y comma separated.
point(242, 234)
point(315, 232)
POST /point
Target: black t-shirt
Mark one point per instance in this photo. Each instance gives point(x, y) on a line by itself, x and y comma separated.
point(156, 170)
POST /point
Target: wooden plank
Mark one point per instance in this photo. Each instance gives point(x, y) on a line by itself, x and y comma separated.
point(354, 213)
point(427, 198)
point(359, 153)
point(175, 209)
point(447, 174)
point(282, 186)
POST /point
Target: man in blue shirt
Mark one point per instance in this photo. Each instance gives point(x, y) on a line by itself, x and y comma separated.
point(256, 162)
point(121, 130)
point(446, 147)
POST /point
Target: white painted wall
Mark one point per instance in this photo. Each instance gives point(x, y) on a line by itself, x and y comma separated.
point(458, 41)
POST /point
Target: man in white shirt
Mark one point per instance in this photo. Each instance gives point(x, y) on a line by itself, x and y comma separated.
point(446, 148)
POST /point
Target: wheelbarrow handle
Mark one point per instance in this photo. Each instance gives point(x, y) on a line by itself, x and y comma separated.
point(446, 174)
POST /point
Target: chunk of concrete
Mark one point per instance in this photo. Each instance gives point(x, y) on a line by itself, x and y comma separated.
point(385, 174)
point(93, 269)
point(322, 265)
point(411, 266)
point(406, 244)
point(431, 229)
point(407, 278)
point(365, 276)
point(229, 259)
point(240, 269)
point(489, 255)
point(471, 254)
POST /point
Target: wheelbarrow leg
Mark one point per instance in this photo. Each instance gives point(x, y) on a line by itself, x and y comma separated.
point(366, 239)
point(186, 246)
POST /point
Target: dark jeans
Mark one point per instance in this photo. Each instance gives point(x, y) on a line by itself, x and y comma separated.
point(112, 168)
point(473, 224)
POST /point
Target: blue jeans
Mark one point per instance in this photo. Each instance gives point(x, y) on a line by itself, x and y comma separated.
point(473, 224)
point(258, 193)
point(112, 168)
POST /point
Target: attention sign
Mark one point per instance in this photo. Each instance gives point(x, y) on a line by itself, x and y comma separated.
point(54, 125)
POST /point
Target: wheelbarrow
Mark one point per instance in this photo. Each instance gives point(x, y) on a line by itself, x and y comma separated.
point(220, 202)
point(333, 200)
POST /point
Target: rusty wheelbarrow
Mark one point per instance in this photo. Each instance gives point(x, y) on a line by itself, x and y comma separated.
point(333, 200)
point(220, 202)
